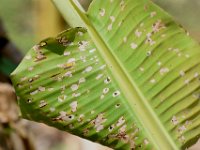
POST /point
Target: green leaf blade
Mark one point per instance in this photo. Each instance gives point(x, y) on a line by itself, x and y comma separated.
point(153, 51)
point(77, 93)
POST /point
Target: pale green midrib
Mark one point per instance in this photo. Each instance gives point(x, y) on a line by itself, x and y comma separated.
point(149, 119)
point(69, 18)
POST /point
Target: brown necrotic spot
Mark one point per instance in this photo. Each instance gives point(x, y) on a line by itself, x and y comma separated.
point(42, 104)
point(107, 80)
point(70, 117)
point(69, 65)
point(111, 128)
point(116, 93)
point(63, 40)
point(39, 57)
point(85, 131)
point(30, 80)
point(105, 90)
point(55, 75)
point(29, 100)
point(117, 105)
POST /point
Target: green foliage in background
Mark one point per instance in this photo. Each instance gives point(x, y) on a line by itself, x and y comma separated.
point(18, 19)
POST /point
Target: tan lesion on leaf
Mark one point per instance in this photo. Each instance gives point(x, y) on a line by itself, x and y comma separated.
point(63, 40)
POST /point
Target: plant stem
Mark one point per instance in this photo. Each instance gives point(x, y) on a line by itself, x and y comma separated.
point(70, 15)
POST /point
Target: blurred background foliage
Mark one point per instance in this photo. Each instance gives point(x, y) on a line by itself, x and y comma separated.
point(29, 21)
point(18, 19)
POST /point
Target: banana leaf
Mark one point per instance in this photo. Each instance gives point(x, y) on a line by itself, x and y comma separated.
point(126, 75)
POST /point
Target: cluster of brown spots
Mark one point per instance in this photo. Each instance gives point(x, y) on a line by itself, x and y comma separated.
point(121, 121)
point(122, 5)
point(157, 26)
point(181, 129)
point(120, 136)
point(81, 118)
point(42, 104)
point(149, 39)
point(123, 136)
point(39, 54)
point(112, 19)
point(36, 77)
point(82, 45)
point(56, 77)
point(85, 131)
point(98, 122)
point(67, 65)
point(63, 40)
point(64, 117)
point(174, 120)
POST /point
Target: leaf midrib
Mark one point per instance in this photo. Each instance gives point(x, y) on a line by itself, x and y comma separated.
point(151, 123)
